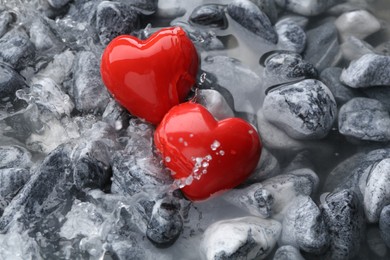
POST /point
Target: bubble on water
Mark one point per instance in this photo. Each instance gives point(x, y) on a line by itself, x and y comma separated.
point(214, 146)
point(222, 152)
point(167, 159)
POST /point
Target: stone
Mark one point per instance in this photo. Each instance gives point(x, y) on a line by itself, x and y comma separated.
point(57, 4)
point(342, 93)
point(377, 190)
point(89, 93)
point(375, 242)
point(359, 23)
point(14, 156)
point(211, 15)
point(267, 167)
point(304, 110)
point(306, 7)
point(16, 49)
point(365, 119)
point(240, 238)
point(116, 116)
point(291, 36)
point(249, 16)
point(11, 81)
point(322, 46)
point(6, 19)
point(288, 253)
point(344, 219)
point(304, 227)
point(114, 19)
point(384, 224)
point(43, 37)
point(369, 70)
point(215, 103)
point(354, 48)
point(380, 93)
point(268, 7)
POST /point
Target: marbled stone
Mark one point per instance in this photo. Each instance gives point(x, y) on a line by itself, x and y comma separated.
point(291, 36)
point(307, 7)
point(384, 224)
point(58, 3)
point(304, 110)
point(354, 48)
point(209, 15)
point(380, 93)
point(268, 7)
point(253, 19)
point(215, 103)
point(365, 119)
point(369, 70)
point(6, 19)
point(241, 238)
point(359, 23)
point(343, 216)
point(303, 226)
point(10, 82)
point(267, 167)
point(375, 242)
point(288, 253)
point(322, 46)
point(116, 116)
point(14, 157)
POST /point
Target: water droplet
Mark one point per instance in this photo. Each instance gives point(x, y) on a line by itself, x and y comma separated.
point(208, 157)
point(204, 171)
point(214, 146)
point(173, 173)
point(250, 132)
point(167, 159)
point(185, 144)
point(222, 152)
point(181, 140)
point(118, 125)
point(191, 135)
point(205, 164)
point(189, 180)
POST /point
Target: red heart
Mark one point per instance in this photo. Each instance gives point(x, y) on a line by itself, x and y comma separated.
point(150, 77)
point(211, 156)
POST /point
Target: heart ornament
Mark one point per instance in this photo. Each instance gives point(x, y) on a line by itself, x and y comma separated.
point(150, 77)
point(205, 156)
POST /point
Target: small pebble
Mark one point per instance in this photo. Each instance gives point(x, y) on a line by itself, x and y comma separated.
point(306, 7)
point(288, 253)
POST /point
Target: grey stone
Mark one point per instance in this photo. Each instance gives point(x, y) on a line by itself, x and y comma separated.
point(304, 227)
point(384, 224)
point(253, 19)
point(307, 7)
point(365, 119)
point(353, 48)
point(288, 253)
point(43, 37)
point(116, 116)
point(291, 36)
point(380, 93)
point(58, 3)
point(215, 103)
point(377, 190)
point(359, 24)
point(300, 20)
point(6, 19)
point(114, 19)
point(249, 238)
point(344, 219)
point(10, 82)
point(383, 48)
point(342, 93)
point(369, 70)
point(304, 110)
point(209, 15)
point(375, 242)
point(268, 7)
point(89, 93)
point(14, 157)
point(16, 49)
point(322, 46)
point(267, 167)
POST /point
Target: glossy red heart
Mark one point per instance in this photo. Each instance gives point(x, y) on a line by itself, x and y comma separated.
point(150, 77)
point(206, 156)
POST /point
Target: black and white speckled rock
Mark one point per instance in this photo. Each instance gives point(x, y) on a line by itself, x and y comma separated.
point(308, 7)
point(268, 7)
point(16, 49)
point(359, 23)
point(304, 110)
point(365, 119)
point(267, 167)
point(303, 226)
point(241, 238)
point(10, 82)
point(281, 67)
point(322, 46)
point(377, 190)
point(43, 37)
point(253, 19)
point(288, 253)
point(57, 4)
point(369, 70)
point(353, 48)
point(165, 224)
point(344, 219)
point(89, 93)
point(11, 181)
point(114, 19)
point(384, 224)
point(291, 36)
point(209, 15)
point(255, 199)
point(14, 157)
point(116, 116)
point(215, 103)
point(342, 94)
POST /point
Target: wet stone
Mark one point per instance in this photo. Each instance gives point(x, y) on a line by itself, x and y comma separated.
point(288, 253)
point(267, 167)
point(304, 110)
point(369, 70)
point(116, 116)
point(365, 119)
point(6, 18)
point(215, 103)
point(14, 157)
point(304, 227)
point(344, 220)
point(375, 242)
point(248, 238)
point(89, 93)
point(291, 36)
point(10, 82)
point(381, 93)
point(16, 49)
point(384, 224)
point(342, 93)
point(165, 224)
point(308, 7)
point(353, 48)
point(43, 37)
point(114, 19)
point(268, 7)
point(209, 15)
point(322, 46)
point(359, 24)
point(57, 4)
point(253, 19)
point(377, 190)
